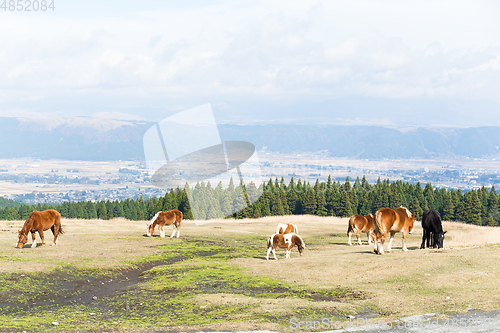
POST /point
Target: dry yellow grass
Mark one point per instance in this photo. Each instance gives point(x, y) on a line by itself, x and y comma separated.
point(462, 275)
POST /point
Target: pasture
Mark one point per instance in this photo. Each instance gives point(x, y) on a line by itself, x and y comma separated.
point(108, 276)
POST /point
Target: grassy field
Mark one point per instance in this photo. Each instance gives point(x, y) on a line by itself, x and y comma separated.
point(107, 276)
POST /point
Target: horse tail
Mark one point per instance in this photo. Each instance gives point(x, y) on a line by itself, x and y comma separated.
point(270, 241)
point(378, 227)
point(178, 218)
point(351, 225)
point(295, 228)
point(58, 222)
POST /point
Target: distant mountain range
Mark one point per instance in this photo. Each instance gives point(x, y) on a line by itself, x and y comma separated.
point(99, 139)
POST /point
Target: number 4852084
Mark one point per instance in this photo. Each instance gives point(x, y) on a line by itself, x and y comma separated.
point(27, 5)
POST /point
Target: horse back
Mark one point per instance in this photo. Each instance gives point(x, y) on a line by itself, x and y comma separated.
point(431, 221)
point(369, 223)
point(45, 219)
point(385, 219)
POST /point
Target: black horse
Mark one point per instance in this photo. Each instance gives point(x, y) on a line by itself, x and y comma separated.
point(433, 230)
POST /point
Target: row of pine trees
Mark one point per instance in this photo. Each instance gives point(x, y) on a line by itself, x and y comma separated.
point(276, 197)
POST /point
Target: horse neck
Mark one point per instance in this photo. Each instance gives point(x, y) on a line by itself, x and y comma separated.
point(27, 226)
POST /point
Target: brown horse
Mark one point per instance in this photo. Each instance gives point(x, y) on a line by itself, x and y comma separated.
point(40, 221)
point(360, 223)
point(391, 220)
point(286, 228)
point(171, 217)
point(285, 241)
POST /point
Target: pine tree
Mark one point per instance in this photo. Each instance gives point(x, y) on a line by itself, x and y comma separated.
point(310, 205)
point(365, 184)
point(491, 222)
point(429, 196)
point(101, 210)
point(321, 202)
point(365, 205)
point(448, 208)
point(492, 200)
point(416, 209)
point(345, 208)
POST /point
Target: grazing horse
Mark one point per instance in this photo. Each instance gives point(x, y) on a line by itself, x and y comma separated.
point(360, 223)
point(391, 220)
point(432, 228)
point(286, 228)
point(285, 241)
point(40, 221)
point(171, 217)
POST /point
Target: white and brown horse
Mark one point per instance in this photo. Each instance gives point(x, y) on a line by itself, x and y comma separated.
point(161, 219)
point(40, 221)
point(387, 220)
point(360, 223)
point(286, 228)
point(285, 241)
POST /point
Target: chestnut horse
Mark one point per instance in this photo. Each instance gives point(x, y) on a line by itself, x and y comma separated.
point(40, 221)
point(285, 241)
point(171, 217)
point(286, 228)
point(360, 223)
point(391, 220)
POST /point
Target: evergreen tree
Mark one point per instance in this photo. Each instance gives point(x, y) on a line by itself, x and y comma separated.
point(491, 221)
point(416, 209)
point(321, 202)
point(345, 208)
point(448, 208)
point(492, 201)
point(101, 210)
point(310, 205)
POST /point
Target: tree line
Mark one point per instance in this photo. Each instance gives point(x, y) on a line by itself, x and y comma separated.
point(277, 197)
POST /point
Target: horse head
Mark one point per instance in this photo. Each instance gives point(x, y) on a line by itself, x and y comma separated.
point(440, 240)
point(300, 244)
point(21, 240)
point(150, 230)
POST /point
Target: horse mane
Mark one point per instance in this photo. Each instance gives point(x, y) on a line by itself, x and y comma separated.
point(302, 244)
point(407, 211)
point(154, 218)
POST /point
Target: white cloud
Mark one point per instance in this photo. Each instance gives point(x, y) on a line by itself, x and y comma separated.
point(254, 50)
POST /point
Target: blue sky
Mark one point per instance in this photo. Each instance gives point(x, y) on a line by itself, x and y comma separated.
point(392, 63)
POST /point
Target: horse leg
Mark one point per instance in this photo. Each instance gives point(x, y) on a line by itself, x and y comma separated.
point(404, 241)
point(178, 224)
point(389, 246)
point(376, 238)
point(433, 236)
point(40, 232)
point(287, 253)
point(358, 236)
point(424, 236)
point(173, 231)
point(349, 239)
point(380, 244)
point(369, 234)
point(55, 232)
point(274, 253)
point(268, 251)
point(33, 236)
point(162, 232)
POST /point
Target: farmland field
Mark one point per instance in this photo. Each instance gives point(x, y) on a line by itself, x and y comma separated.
point(107, 276)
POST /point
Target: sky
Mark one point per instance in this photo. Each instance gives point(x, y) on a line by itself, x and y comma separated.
point(374, 62)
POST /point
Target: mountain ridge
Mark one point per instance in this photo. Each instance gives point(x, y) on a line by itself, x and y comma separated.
point(85, 138)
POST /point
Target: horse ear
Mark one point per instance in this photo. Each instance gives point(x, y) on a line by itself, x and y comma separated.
point(445, 232)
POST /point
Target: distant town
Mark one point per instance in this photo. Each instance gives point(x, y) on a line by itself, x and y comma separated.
point(35, 181)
